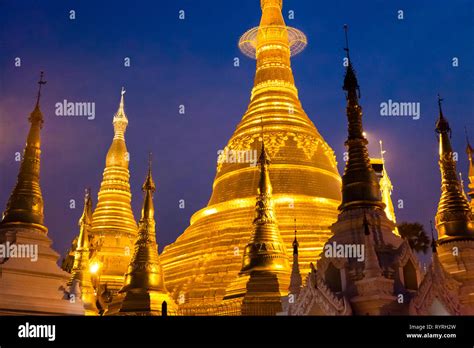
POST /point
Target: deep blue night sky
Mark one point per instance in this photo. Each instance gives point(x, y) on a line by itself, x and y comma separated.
point(190, 62)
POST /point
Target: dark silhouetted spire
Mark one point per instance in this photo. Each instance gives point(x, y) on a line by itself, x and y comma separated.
point(360, 186)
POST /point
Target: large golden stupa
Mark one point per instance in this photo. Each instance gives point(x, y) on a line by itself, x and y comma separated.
point(202, 262)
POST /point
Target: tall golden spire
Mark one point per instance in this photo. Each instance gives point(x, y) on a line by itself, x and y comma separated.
point(265, 250)
point(305, 180)
point(81, 258)
point(144, 271)
point(120, 121)
point(25, 205)
point(144, 288)
point(454, 217)
point(114, 228)
point(264, 277)
point(81, 282)
point(31, 285)
point(360, 186)
point(272, 49)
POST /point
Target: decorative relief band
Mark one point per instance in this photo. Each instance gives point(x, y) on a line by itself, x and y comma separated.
point(275, 140)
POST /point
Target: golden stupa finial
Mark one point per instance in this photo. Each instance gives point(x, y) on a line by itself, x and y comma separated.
point(41, 82)
point(25, 205)
point(36, 115)
point(85, 221)
point(272, 44)
point(120, 121)
point(360, 186)
point(118, 154)
point(148, 188)
point(454, 217)
point(442, 125)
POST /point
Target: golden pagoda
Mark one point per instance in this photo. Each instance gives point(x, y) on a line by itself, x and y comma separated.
point(144, 291)
point(81, 282)
point(202, 262)
point(454, 220)
point(114, 229)
point(265, 274)
point(31, 283)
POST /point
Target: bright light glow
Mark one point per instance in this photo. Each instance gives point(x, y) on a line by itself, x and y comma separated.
point(94, 267)
point(209, 211)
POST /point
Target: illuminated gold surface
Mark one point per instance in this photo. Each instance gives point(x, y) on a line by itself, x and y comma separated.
point(80, 271)
point(265, 274)
point(454, 220)
point(386, 188)
point(25, 205)
point(114, 229)
point(202, 262)
point(454, 217)
point(27, 286)
point(144, 291)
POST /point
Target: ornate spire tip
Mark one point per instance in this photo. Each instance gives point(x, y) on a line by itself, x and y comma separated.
point(41, 82)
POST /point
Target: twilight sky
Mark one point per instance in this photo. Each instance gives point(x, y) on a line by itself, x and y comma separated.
point(190, 62)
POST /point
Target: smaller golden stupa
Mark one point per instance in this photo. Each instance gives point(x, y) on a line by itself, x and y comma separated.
point(144, 291)
point(265, 274)
point(81, 282)
point(454, 220)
